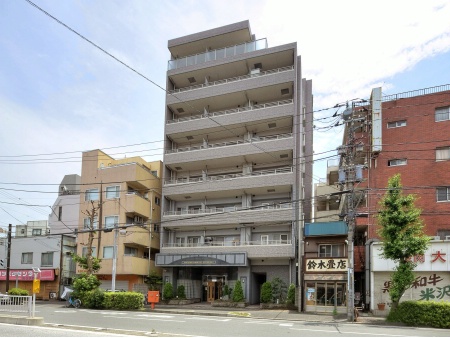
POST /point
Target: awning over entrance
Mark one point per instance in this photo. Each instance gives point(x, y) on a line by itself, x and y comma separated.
point(228, 259)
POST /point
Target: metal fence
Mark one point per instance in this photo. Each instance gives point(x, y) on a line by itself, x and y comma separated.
point(14, 304)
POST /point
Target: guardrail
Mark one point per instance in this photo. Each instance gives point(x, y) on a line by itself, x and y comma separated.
point(22, 304)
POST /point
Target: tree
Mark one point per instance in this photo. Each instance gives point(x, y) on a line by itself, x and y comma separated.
point(181, 294)
point(401, 230)
point(278, 289)
point(290, 299)
point(266, 293)
point(238, 293)
point(154, 281)
point(168, 291)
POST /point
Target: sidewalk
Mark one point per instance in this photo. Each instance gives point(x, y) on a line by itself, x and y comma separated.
point(254, 311)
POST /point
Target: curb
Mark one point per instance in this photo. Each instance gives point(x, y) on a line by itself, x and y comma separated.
point(21, 320)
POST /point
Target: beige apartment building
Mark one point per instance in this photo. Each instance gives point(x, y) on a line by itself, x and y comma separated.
point(125, 196)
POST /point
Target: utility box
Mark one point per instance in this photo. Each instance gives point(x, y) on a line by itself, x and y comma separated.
point(153, 297)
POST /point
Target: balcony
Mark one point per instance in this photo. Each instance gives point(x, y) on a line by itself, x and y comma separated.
point(137, 236)
point(127, 265)
point(217, 54)
point(134, 203)
point(254, 249)
point(232, 79)
point(226, 244)
point(326, 228)
point(230, 143)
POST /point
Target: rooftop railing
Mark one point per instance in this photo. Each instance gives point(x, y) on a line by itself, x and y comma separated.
point(217, 54)
point(188, 180)
point(232, 111)
point(229, 143)
point(232, 79)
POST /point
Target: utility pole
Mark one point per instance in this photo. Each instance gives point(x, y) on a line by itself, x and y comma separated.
point(8, 257)
point(351, 176)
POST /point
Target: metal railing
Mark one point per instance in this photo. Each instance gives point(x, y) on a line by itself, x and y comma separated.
point(232, 111)
point(227, 209)
point(229, 143)
point(189, 180)
point(232, 79)
point(227, 244)
point(22, 304)
point(424, 91)
point(217, 54)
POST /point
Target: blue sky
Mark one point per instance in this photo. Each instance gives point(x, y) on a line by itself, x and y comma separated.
point(59, 95)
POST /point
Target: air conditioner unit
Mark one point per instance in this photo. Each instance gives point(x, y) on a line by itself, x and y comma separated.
point(255, 71)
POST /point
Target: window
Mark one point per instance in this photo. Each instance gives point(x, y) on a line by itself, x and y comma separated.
point(331, 250)
point(397, 162)
point(27, 258)
point(264, 239)
point(85, 250)
point(108, 251)
point(193, 241)
point(443, 194)
point(113, 191)
point(157, 201)
point(47, 259)
point(443, 154)
point(87, 223)
point(36, 232)
point(91, 195)
point(179, 242)
point(396, 124)
point(59, 213)
point(111, 221)
point(442, 114)
point(129, 251)
point(281, 239)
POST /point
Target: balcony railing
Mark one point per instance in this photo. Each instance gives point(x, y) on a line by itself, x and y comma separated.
point(228, 176)
point(217, 54)
point(226, 244)
point(232, 111)
point(232, 79)
point(230, 143)
point(227, 209)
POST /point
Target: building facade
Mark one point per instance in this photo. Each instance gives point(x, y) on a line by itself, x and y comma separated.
point(120, 201)
point(237, 187)
point(65, 211)
point(404, 134)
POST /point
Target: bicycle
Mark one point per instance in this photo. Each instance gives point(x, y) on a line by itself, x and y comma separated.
point(75, 302)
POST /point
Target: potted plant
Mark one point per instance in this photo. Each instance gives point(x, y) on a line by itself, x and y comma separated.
point(381, 304)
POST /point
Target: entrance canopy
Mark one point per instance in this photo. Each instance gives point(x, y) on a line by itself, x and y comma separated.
point(228, 259)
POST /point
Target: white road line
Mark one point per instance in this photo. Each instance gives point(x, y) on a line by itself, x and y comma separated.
point(156, 316)
point(159, 319)
point(350, 332)
point(209, 318)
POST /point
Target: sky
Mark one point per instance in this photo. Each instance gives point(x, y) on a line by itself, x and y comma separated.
point(60, 95)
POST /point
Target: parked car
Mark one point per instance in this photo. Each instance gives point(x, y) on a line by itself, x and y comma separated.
point(4, 298)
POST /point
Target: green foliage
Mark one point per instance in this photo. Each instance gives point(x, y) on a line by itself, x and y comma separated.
point(123, 300)
point(279, 288)
point(82, 262)
point(422, 313)
point(238, 293)
point(266, 293)
point(93, 299)
point(168, 291)
point(226, 291)
point(154, 281)
point(84, 283)
point(401, 230)
point(17, 292)
point(290, 299)
point(181, 292)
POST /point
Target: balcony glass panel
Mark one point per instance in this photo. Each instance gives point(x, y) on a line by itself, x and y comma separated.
point(220, 53)
point(240, 49)
point(191, 60)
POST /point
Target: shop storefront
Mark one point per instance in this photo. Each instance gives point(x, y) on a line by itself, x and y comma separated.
point(23, 278)
point(432, 276)
point(325, 284)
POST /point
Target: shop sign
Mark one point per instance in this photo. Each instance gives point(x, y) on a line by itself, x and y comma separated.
point(326, 265)
point(27, 275)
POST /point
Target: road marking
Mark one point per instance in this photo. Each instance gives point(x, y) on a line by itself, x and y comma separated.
point(156, 316)
point(159, 319)
point(209, 318)
point(351, 332)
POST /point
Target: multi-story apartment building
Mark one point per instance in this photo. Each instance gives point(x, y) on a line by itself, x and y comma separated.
point(65, 211)
point(124, 196)
point(404, 134)
point(32, 228)
point(237, 187)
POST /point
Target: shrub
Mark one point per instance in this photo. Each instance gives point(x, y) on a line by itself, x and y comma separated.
point(422, 313)
point(278, 290)
point(238, 294)
point(266, 293)
point(84, 283)
point(226, 291)
point(123, 300)
point(94, 299)
point(168, 291)
point(180, 292)
point(290, 299)
point(17, 292)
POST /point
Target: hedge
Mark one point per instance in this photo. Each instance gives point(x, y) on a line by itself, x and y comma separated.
point(422, 313)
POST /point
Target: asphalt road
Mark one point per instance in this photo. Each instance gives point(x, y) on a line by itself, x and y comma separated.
point(161, 324)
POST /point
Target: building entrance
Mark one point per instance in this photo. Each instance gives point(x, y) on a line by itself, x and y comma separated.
point(214, 286)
